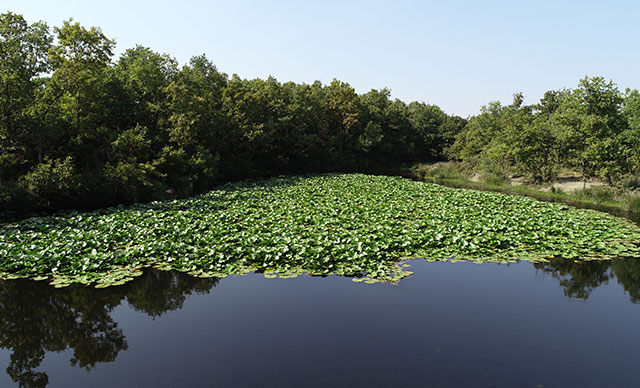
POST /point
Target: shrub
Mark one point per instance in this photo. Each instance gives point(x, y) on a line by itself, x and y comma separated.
point(51, 181)
point(422, 171)
point(633, 202)
point(495, 179)
point(130, 181)
point(631, 182)
point(444, 171)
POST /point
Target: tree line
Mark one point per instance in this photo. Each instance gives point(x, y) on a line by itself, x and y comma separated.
point(593, 130)
point(79, 129)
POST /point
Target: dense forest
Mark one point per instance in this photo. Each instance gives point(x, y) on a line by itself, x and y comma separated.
point(80, 129)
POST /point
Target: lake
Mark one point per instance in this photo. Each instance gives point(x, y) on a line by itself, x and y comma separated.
point(557, 324)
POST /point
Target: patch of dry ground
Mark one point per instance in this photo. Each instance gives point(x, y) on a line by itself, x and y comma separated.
point(572, 184)
point(567, 183)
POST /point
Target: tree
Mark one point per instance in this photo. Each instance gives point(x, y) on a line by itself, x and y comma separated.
point(399, 135)
point(373, 117)
point(344, 110)
point(23, 49)
point(23, 60)
point(448, 131)
point(630, 137)
point(427, 121)
point(51, 182)
point(131, 173)
point(145, 76)
point(472, 142)
point(80, 61)
point(593, 123)
point(195, 125)
point(535, 150)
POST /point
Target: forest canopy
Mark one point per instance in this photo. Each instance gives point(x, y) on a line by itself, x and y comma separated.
point(81, 129)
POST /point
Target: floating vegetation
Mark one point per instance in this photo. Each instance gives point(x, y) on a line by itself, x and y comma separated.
point(346, 224)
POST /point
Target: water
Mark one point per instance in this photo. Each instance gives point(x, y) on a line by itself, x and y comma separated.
point(561, 324)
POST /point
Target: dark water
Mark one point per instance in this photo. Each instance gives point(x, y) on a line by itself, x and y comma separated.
point(560, 324)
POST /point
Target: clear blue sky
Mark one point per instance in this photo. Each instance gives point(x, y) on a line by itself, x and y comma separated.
point(457, 54)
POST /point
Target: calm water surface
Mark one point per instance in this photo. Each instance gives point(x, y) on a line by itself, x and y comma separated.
point(560, 324)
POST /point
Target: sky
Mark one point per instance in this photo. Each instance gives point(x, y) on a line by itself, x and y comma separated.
point(459, 55)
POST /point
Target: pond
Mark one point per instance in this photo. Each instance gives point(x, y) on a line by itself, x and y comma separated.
point(561, 323)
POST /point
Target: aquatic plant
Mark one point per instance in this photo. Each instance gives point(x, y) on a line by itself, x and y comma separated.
point(346, 224)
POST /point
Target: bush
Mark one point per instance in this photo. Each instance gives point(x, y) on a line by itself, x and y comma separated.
point(439, 172)
point(495, 179)
point(422, 171)
point(631, 182)
point(50, 182)
point(130, 181)
point(12, 199)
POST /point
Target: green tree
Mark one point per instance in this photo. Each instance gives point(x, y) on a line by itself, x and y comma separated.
point(592, 123)
point(78, 58)
point(145, 76)
point(481, 132)
point(427, 121)
point(373, 117)
point(23, 49)
point(399, 135)
point(630, 137)
point(344, 111)
point(23, 60)
point(51, 182)
point(131, 173)
point(195, 126)
point(449, 130)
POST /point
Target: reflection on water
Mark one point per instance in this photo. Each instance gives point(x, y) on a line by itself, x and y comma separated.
point(628, 274)
point(36, 318)
point(580, 278)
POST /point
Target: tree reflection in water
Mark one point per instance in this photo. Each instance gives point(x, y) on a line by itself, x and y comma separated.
point(579, 278)
point(35, 318)
point(627, 272)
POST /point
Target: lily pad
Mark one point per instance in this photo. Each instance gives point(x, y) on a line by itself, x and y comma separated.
point(353, 225)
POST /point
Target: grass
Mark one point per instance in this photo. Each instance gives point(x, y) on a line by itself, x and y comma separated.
point(605, 199)
point(633, 202)
point(439, 171)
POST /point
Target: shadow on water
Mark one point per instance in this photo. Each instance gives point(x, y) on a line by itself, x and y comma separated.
point(35, 318)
